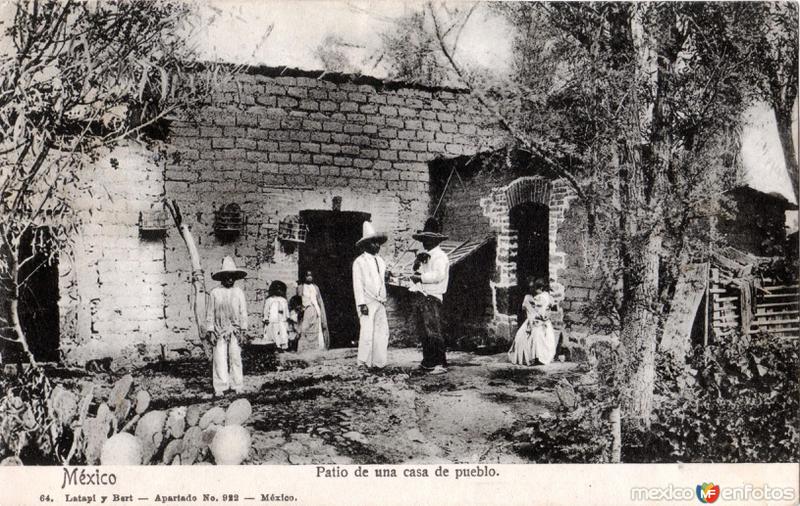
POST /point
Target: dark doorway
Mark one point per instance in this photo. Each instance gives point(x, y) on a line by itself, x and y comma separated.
point(531, 221)
point(38, 297)
point(329, 252)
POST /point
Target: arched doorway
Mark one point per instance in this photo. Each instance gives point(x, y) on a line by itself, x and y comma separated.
point(530, 222)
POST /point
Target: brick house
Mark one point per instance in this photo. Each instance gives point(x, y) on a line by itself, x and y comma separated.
point(282, 146)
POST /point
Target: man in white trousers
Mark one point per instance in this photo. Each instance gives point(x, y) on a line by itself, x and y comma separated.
point(369, 290)
point(226, 323)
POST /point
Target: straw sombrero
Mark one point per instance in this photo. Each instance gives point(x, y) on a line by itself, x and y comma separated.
point(368, 234)
point(432, 230)
point(229, 268)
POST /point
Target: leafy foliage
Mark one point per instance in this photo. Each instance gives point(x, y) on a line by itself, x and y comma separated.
point(774, 34)
point(735, 401)
point(333, 53)
point(28, 430)
point(77, 78)
point(568, 438)
point(42, 424)
point(637, 106)
point(411, 51)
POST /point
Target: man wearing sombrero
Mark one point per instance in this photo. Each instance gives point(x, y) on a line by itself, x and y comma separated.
point(430, 278)
point(369, 290)
point(226, 323)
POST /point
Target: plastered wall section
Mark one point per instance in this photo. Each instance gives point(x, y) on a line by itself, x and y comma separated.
point(113, 283)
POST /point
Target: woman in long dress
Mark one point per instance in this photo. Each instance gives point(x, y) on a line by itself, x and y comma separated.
point(314, 327)
point(276, 314)
point(535, 340)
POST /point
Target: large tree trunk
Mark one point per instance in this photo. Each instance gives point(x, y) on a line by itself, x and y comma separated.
point(640, 327)
point(784, 121)
point(644, 182)
point(614, 419)
point(11, 315)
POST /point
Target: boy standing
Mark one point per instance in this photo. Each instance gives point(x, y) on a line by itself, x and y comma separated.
point(369, 290)
point(431, 276)
point(226, 323)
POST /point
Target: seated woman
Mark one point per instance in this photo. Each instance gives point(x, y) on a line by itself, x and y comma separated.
point(535, 339)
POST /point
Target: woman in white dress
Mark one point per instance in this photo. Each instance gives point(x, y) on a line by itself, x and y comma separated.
point(315, 322)
point(276, 314)
point(535, 339)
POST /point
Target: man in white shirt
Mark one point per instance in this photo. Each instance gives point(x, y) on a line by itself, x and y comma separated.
point(369, 290)
point(226, 323)
point(431, 275)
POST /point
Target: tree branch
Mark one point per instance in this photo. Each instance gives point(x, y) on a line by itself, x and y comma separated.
point(40, 158)
point(109, 140)
point(502, 120)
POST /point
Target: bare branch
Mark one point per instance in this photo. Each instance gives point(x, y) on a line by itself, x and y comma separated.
point(9, 339)
point(29, 179)
point(22, 283)
point(463, 24)
point(523, 139)
point(22, 263)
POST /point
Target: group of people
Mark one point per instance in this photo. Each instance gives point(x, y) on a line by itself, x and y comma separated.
point(300, 323)
point(429, 284)
point(297, 324)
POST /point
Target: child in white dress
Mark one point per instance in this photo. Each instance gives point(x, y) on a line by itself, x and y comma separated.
point(535, 339)
point(276, 314)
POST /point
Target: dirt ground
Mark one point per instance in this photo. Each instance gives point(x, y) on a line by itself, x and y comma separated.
point(317, 407)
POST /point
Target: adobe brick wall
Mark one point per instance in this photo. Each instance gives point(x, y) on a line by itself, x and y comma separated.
point(461, 213)
point(278, 144)
point(275, 145)
point(482, 206)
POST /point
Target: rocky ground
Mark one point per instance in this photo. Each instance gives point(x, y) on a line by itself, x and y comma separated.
point(317, 407)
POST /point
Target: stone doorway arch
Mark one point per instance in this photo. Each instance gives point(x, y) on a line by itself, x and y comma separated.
point(533, 192)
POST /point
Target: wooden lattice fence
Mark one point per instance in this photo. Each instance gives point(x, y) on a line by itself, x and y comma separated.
point(773, 305)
